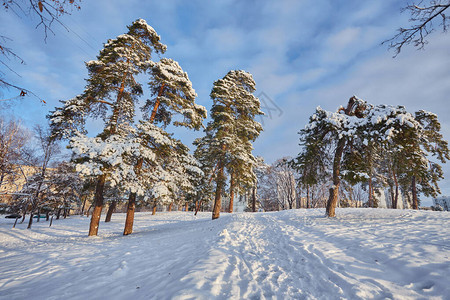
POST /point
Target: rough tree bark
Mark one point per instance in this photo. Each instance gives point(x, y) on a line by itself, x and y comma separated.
point(334, 190)
point(98, 205)
point(218, 196)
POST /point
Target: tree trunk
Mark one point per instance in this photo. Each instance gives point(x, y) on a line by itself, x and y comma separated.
point(65, 212)
point(307, 196)
point(58, 214)
point(154, 209)
point(334, 190)
point(415, 204)
point(24, 215)
point(89, 210)
point(82, 207)
point(230, 208)
point(170, 206)
point(30, 221)
point(130, 214)
point(38, 215)
point(98, 205)
point(155, 108)
point(111, 209)
point(218, 197)
point(186, 206)
point(47, 216)
point(370, 204)
point(15, 222)
point(132, 202)
point(395, 200)
point(51, 222)
point(254, 199)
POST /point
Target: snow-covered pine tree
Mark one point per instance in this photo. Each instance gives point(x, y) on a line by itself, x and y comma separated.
point(173, 96)
point(110, 93)
point(390, 127)
point(229, 136)
point(426, 175)
point(312, 163)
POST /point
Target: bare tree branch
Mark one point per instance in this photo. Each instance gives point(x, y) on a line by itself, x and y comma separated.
point(423, 18)
point(48, 12)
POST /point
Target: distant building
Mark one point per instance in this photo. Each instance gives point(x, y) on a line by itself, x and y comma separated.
point(12, 183)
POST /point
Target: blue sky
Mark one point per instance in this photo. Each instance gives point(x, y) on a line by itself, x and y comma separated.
point(302, 54)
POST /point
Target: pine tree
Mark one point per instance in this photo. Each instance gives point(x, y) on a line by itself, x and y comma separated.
point(364, 127)
point(111, 93)
point(227, 144)
point(173, 96)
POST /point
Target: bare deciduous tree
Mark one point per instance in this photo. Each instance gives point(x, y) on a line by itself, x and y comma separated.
point(49, 149)
point(47, 12)
point(425, 17)
point(13, 138)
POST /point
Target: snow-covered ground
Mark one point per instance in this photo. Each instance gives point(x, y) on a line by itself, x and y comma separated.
point(361, 254)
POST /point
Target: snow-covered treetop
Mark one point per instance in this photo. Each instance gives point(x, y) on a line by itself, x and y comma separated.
point(384, 120)
point(174, 93)
point(111, 90)
point(141, 29)
point(233, 128)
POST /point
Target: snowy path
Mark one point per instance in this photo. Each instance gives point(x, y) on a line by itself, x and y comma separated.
point(299, 254)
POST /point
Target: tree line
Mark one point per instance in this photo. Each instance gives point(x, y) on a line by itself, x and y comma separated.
point(134, 158)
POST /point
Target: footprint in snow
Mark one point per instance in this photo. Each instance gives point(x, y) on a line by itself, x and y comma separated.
point(121, 271)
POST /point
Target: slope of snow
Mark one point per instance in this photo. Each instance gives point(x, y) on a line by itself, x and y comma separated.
point(361, 254)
